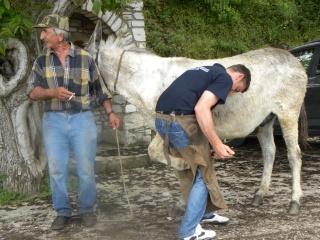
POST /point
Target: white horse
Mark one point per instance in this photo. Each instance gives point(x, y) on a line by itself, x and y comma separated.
point(277, 89)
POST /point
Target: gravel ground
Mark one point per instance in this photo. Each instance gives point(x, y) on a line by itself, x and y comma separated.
point(153, 189)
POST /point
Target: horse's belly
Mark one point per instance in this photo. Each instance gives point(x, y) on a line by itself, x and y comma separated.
point(230, 130)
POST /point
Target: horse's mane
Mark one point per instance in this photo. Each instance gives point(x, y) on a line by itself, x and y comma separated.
point(117, 44)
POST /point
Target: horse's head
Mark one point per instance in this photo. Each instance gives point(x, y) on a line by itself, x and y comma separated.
point(94, 41)
point(107, 55)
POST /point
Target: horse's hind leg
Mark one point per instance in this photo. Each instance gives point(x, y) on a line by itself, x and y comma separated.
point(266, 140)
point(290, 135)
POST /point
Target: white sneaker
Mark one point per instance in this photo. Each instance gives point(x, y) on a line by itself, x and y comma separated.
point(201, 234)
point(215, 219)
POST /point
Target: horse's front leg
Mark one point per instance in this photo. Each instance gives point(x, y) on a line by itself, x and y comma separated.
point(266, 140)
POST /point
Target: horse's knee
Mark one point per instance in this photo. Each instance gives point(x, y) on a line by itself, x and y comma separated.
point(257, 200)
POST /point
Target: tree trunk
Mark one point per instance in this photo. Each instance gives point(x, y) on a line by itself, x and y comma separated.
point(22, 161)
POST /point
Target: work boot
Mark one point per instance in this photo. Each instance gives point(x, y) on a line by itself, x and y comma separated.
point(60, 222)
point(88, 219)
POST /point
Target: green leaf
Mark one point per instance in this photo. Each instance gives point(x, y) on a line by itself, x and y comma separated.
point(2, 49)
point(27, 22)
point(7, 32)
point(16, 19)
point(1, 11)
point(6, 4)
point(96, 6)
point(16, 29)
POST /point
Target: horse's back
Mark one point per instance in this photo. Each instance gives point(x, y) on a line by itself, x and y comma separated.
point(278, 86)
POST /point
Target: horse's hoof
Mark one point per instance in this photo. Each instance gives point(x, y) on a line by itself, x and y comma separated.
point(257, 200)
point(294, 208)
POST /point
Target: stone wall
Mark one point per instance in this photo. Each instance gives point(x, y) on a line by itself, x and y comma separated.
point(130, 27)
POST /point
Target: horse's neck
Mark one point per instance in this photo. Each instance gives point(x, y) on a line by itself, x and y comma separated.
point(141, 77)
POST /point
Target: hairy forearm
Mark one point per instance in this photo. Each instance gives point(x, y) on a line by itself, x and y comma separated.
point(205, 120)
point(107, 105)
point(40, 93)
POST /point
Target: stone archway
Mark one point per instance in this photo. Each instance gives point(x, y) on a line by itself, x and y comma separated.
point(129, 25)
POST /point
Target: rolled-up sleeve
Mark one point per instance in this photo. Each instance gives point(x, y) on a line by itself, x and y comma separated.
point(35, 78)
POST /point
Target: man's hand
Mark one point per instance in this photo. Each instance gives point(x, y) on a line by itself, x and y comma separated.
point(63, 94)
point(114, 121)
point(223, 151)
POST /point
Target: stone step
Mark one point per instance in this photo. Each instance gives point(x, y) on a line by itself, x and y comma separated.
point(109, 160)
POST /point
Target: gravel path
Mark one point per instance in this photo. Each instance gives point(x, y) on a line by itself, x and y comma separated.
point(153, 189)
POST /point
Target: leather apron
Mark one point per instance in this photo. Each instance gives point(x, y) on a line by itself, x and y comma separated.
point(197, 154)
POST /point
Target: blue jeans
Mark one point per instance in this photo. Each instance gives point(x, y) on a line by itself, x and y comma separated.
point(61, 133)
point(197, 200)
point(177, 136)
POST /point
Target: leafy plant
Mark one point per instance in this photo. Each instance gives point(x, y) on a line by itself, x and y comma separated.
point(14, 22)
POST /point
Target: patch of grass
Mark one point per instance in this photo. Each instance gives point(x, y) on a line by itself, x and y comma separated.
point(45, 190)
point(209, 29)
point(7, 197)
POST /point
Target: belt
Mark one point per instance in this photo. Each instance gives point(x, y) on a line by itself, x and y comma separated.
point(175, 113)
point(69, 111)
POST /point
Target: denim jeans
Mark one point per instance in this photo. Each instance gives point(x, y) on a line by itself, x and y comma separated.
point(197, 200)
point(177, 136)
point(61, 133)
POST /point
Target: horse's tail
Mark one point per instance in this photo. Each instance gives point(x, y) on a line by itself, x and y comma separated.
point(303, 128)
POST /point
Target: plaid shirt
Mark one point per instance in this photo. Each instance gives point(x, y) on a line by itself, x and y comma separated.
point(80, 76)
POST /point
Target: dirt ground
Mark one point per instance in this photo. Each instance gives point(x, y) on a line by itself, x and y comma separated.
point(153, 189)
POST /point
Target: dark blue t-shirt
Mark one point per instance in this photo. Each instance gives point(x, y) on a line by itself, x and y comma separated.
point(183, 94)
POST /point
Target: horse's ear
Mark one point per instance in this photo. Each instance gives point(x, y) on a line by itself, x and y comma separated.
point(94, 41)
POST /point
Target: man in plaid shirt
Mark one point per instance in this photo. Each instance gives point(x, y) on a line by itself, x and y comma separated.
point(68, 82)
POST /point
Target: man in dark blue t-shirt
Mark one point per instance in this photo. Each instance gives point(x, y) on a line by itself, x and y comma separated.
point(184, 120)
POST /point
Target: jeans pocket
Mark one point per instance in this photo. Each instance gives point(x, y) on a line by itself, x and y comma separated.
point(177, 136)
point(161, 127)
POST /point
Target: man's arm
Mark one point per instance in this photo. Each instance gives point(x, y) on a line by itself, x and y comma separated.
point(205, 120)
point(40, 93)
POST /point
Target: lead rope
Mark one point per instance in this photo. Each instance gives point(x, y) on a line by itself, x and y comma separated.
point(124, 187)
point(122, 175)
point(118, 70)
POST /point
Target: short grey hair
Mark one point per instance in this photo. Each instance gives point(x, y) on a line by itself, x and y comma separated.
point(66, 35)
